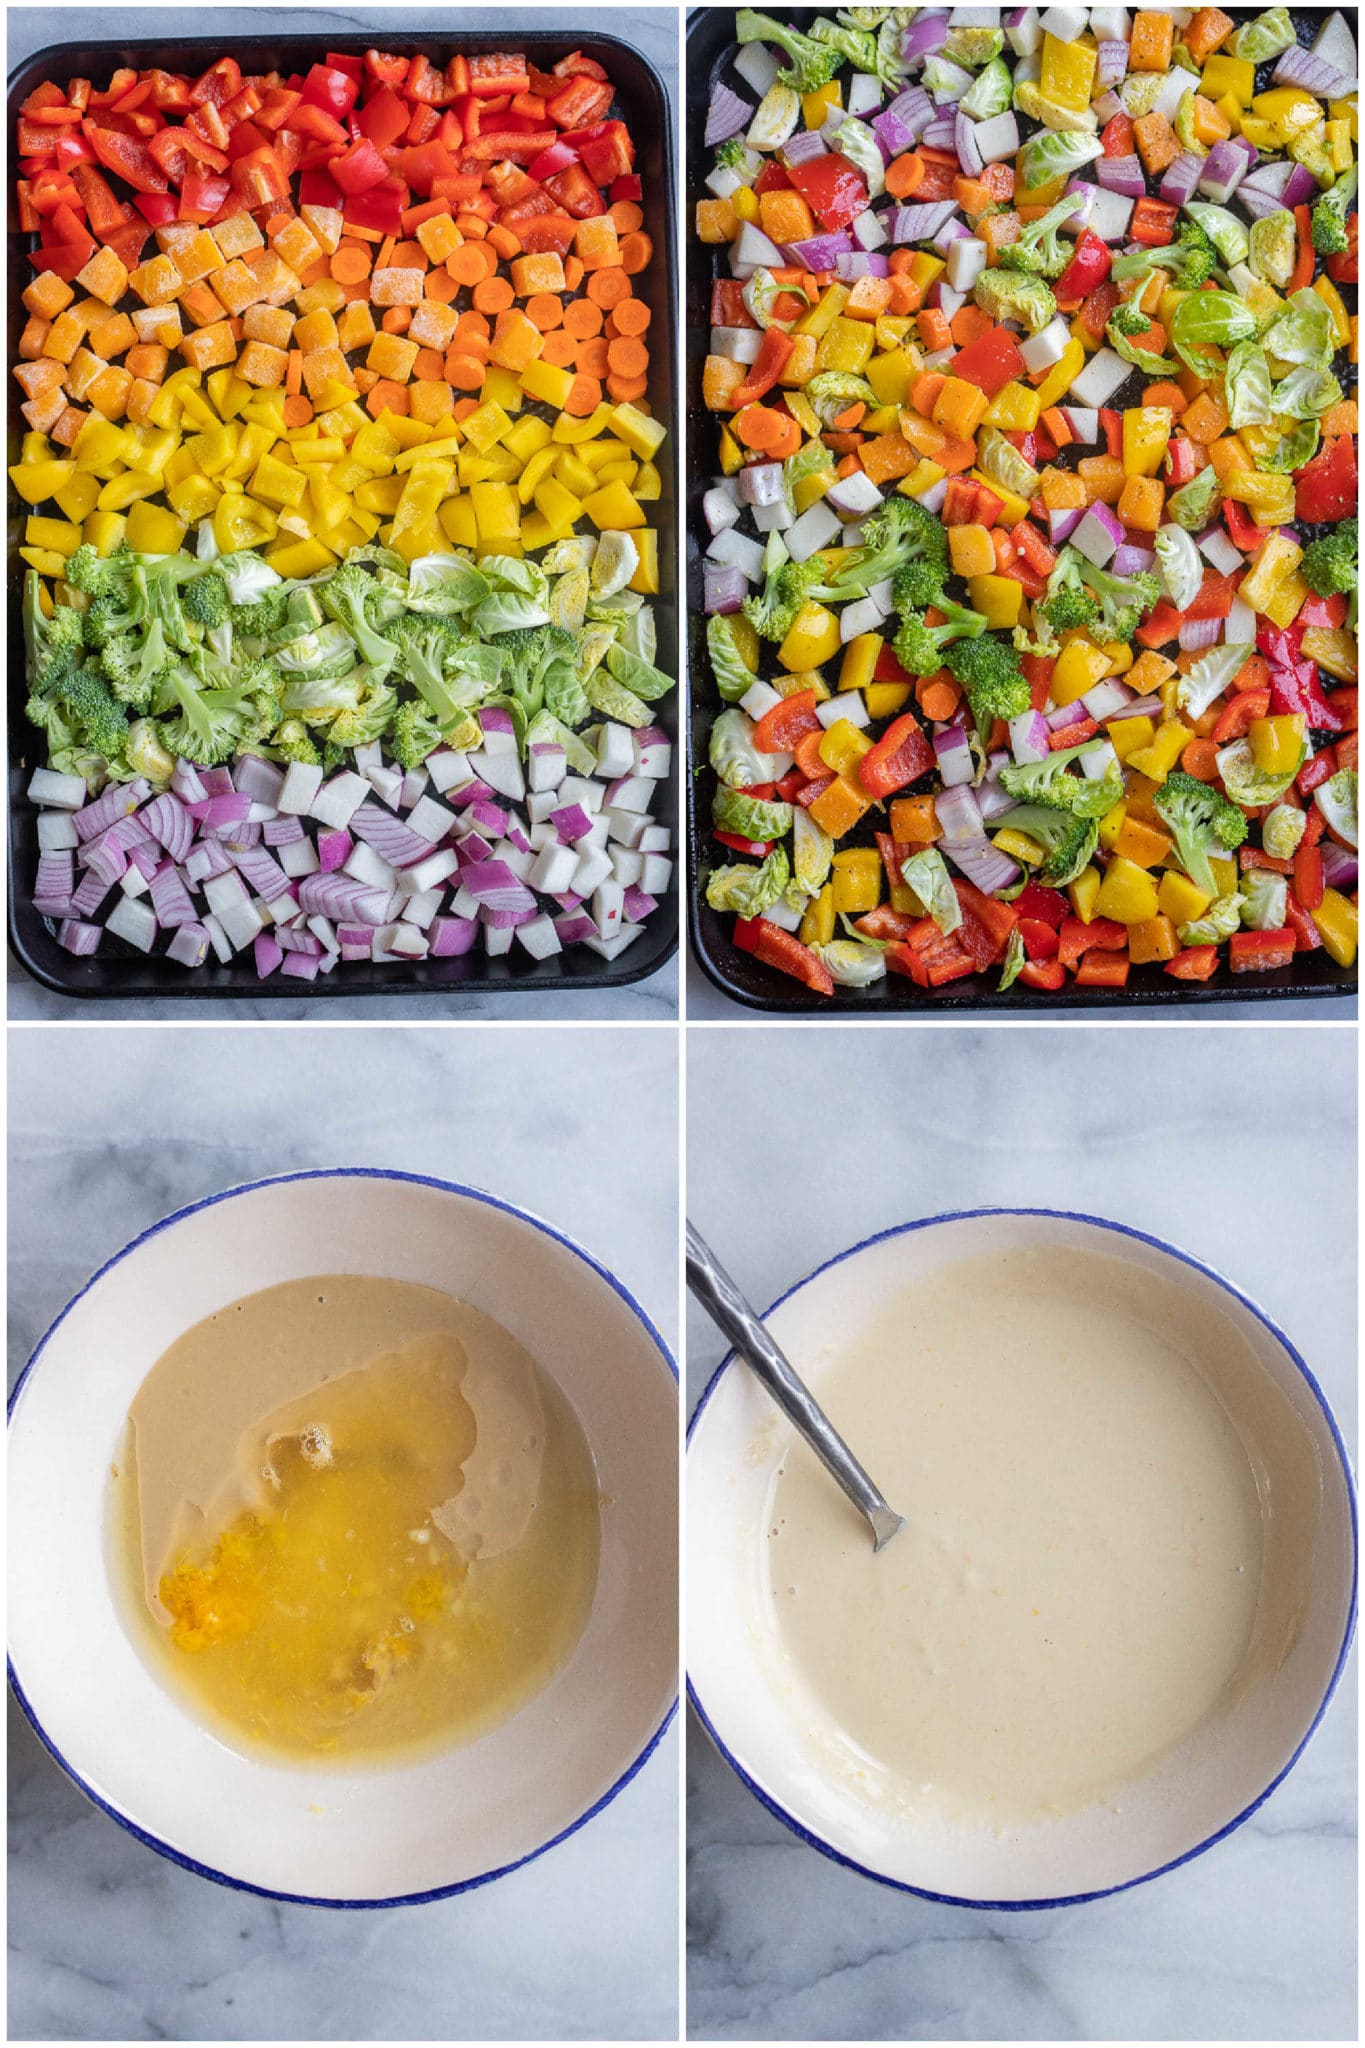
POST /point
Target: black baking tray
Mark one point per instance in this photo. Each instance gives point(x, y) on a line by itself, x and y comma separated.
point(710, 45)
point(119, 971)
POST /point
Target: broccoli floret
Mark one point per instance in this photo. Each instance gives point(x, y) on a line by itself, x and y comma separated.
point(119, 607)
point(135, 664)
point(900, 539)
point(988, 670)
point(92, 572)
point(1329, 215)
point(1191, 259)
point(858, 45)
point(99, 722)
point(294, 742)
point(1331, 564)
point(369, 720)
point(160, 580)
point(49, 643)
point(344, 597)
point(425, 643)
point(1124, 600)
point(1071, 607)
point(1067, 841)
point(206, 601)
point(264, 618)
point(1202, 820)
point(920, 647)
point(1050, 782)
point(208, 725)
point(772, 610)
point(413, 734)
point(529, 654)
point(1129, 319)
point(1013, 295)
point(1038, 250)
point(810, 65)
point(734, 154)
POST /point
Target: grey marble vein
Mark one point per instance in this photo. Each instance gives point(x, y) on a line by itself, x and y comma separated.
point(110, 1129)
point(1236, 1144)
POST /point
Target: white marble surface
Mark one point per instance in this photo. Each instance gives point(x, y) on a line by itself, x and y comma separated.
point(1238, 1145)
point(107, 1940)
point(653, 31)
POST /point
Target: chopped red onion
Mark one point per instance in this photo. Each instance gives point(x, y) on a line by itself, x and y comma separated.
point(338, 897)
point(801, 147)
point(1063, 520)
point(727, 115)
point(300, 967)
point(1222, 171)
point(261, 780)
point(942, 130)
point(1111, 64)
point(899, 126)
point(268, 954)
point(724, 588)
point(1313, 74)
point(170, 898)
point(56, 880)
point(924, 37)
point(187, 782)
point(964, 142)
point(171, 824)
point(920, 223)
point(1197, 633)
point(104, 857)
point(119, 800)
point(638, 904)
point(861, 263)
point(394, 841)
point(573, 927)
point(1340, 865)
point(334, 849)
point(1140, 707)
point(263, 873)
point(87, 898)
point(1120, 174)
point(820, 252)
point(1180, 178)
point(982, 864)
point(1132, 561)
point(189, 947)
point(80, 939)
point(493, 886)
point(958, 813)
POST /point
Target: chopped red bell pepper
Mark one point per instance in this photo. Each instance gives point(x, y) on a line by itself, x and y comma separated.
point(336, 92)
point(129, 159)
point(766, 368)
point(991, 362)
point(1088, 268)
point(1041, 941)
point(381, 207)
point(1195, 963)
point(579, 100)
point(1260, 952)
point(776, 948)
point(1325, 488)
point(386, 70)
point(898, 758)
point(1103, 970)
point(358, 168)
point(832, 188)
point(737, 843)
point(778, 730)
point(1044, 974)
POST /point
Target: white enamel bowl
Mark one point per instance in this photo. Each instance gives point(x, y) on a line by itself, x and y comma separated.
point(736, 1442)
point(370, 1838)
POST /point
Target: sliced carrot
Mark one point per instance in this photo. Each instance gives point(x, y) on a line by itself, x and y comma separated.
point(636, 251)
point(387, 396)
point(627, 216)
point(386, 252)
point(397, 319)
point(1200, 759)
point(465, 372)
point(350, 263)
point(852, 415)
point(1169, 395)
point(560, 350)
point(472, 226)
point(627, 390)
point(468, 264)
point(904, 175)
point(632, 316)
point(430, 365)
point(298, 410)
point(583, 319)
point(463, 407)
point(440, 286)
point(937, 700)
point(314, 272)
point(608, 287)
point(293, 373)
point(592, 356)
point(504, 241)
point(409, 256)
point(545, 310)
point(494, 295)
point(584, 397)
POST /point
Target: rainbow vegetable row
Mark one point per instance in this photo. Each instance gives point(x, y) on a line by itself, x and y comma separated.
point(380, 537)
point(1031, 583)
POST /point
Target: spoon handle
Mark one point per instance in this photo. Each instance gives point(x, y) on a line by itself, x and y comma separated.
point(737, 1320)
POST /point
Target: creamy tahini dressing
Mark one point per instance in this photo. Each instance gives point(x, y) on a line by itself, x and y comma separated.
point(1097, 1557)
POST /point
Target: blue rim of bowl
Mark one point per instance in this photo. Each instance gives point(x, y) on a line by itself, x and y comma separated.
point(815, 1841)
point(166, 1849)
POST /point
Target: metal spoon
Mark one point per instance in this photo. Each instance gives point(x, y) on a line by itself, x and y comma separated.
point(737, 1320)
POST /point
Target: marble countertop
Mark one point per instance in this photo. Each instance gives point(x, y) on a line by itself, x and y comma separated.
point(654, 32)
point(107, 1940)
point(1257, 1939)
